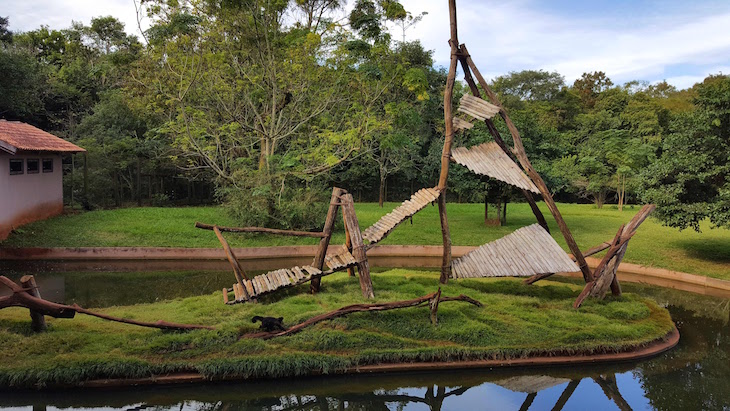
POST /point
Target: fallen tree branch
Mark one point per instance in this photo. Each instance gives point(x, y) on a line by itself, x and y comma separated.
point(21, 298)
point(416, 302)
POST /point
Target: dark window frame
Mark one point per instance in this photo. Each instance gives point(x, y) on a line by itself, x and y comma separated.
point(43, 165)
point(37, 163)
point(22, 166)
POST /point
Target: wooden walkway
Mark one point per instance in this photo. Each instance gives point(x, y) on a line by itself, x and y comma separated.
point(388, 222)
point(488, 159)
point(290, 277)
point(526, 252)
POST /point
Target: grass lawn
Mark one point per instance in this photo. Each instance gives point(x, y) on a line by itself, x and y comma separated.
point(516, 320)
point(706, 253)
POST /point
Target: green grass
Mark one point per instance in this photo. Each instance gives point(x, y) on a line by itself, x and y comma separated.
point(516, 320)
point(705, 253)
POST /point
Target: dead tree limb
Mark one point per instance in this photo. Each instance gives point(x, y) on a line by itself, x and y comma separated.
point(261, 230)
point(355, 308)
point(38, 320)
point(237, 270)
point(21, 298)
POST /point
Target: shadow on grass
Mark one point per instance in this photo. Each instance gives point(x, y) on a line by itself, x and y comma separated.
point(713, 250)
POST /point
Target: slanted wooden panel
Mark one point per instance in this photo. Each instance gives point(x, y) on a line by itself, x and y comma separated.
point(489, 159)
point(460, 124)
point(477, 108)
point(388, 222)
point(527, 251)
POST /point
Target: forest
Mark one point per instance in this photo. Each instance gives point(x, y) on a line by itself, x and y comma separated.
point(262, 105)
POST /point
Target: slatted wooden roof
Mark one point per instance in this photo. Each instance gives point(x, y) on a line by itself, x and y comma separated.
point(388, 222)
point(477, 108)
point(524, 253)
point(488, 159)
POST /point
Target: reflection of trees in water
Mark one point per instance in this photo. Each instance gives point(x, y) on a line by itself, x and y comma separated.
point(694, 376)
point(433, 397)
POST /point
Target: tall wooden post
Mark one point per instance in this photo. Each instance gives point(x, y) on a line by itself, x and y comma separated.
point(521, 155)
point(358, 247)
point(348, 242)
point(38, 320)
point(448, 139)
point(324, 243)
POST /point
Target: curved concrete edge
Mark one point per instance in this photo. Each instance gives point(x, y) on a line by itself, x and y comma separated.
point(647, 351)
point(266, 258)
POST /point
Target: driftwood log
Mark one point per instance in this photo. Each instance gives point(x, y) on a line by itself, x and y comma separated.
point(604, 276)
point(39, 306)
point(356, 308)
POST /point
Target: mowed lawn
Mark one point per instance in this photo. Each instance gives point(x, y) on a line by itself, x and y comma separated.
point(705, 253)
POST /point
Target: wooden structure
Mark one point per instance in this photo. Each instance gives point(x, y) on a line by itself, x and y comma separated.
point(352, 254)
point(528, 252)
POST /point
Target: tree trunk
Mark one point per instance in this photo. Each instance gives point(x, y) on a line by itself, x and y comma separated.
point(381, 196)
point(324, 243)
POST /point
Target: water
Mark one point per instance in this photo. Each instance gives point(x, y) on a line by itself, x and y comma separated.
point(693, 376)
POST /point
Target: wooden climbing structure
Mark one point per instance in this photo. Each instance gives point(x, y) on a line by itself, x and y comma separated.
point(351, 254)
point(528, 252)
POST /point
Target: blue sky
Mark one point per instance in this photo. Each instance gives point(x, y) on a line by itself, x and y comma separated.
point(678, 41)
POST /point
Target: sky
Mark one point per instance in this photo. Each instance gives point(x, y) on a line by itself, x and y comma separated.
point(651, 40)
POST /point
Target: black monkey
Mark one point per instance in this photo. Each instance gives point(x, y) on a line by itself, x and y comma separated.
point(270, 323)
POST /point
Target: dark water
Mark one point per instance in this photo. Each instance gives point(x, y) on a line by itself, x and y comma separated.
point(693, 376)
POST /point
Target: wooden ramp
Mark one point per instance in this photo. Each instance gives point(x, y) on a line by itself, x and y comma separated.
point(388, 222)
point(291, 277)
point(488, 159)
point(526, 252)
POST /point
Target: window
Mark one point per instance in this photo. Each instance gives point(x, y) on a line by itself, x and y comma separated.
point(47, 165)
point(32, 166)
point(16, 166)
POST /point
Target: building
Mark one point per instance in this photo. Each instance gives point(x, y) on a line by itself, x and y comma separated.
point(31, 175)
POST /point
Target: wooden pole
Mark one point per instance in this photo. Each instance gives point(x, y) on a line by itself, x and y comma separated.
point(358, 248)
point(348, 243)
point(38, 320)
point(521, 155)
point(448, 139)
point(237, 270)
point(261, 230)
point(498, 137)
point(324, 243)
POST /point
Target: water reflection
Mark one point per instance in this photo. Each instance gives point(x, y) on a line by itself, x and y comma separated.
point(693, 376)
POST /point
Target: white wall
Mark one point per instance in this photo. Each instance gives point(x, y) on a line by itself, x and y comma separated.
point(29, 197)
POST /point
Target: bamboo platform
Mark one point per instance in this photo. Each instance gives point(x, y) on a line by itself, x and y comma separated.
point(388, 222)
point(477, 108)
point(526, 252)
point(289, 277)
point(460, 124)
point(488, 159)
point(340, 260)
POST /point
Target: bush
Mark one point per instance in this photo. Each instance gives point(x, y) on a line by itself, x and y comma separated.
point(291, 208)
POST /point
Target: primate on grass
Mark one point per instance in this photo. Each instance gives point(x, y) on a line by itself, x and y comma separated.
point(270, 323)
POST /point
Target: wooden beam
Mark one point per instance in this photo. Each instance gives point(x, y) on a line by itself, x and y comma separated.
point(261, 230)
point(237, 270)
point(324, 243)
point(358, 248)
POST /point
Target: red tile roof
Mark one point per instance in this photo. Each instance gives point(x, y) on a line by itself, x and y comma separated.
point(15, 136)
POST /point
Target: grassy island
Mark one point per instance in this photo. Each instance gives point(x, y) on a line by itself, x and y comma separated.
point(516, 320)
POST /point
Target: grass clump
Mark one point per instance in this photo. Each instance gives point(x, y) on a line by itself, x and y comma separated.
point(516, 320)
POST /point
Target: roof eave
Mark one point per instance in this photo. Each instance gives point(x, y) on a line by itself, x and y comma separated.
point(8, 148)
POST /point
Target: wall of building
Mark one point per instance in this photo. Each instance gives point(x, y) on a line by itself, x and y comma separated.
point(25, 198)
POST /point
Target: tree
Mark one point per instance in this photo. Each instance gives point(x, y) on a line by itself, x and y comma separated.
point(590, 85)
point(690, 182)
